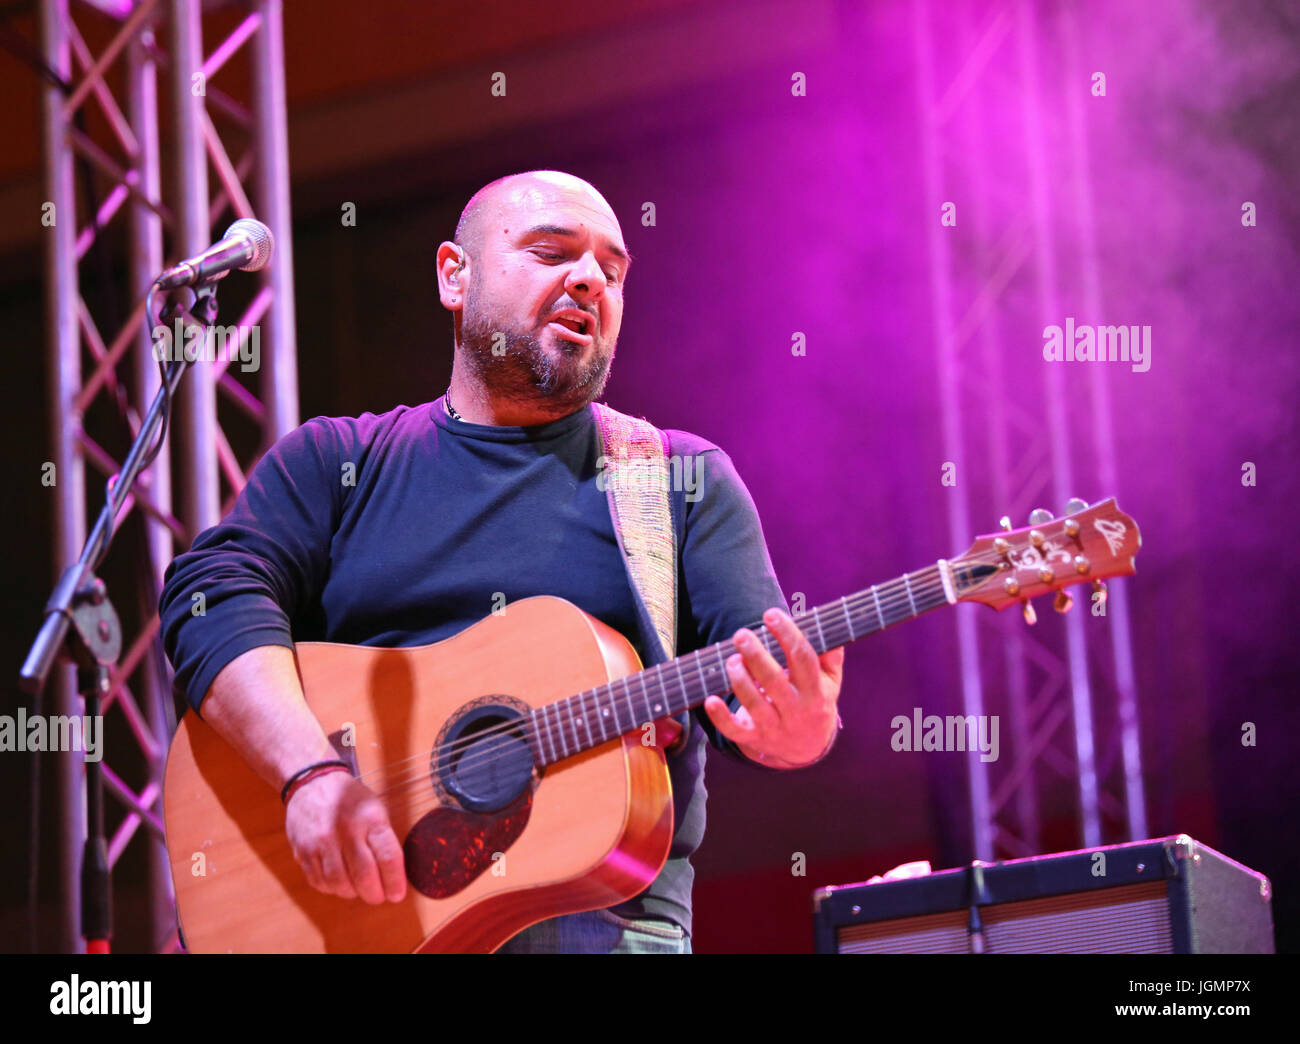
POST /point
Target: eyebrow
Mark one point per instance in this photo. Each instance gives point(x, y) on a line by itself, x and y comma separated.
point(569, 233)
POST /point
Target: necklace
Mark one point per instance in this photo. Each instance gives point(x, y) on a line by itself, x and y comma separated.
point(451, 410)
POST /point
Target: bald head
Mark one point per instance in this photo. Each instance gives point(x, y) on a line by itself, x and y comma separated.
point(514, 191)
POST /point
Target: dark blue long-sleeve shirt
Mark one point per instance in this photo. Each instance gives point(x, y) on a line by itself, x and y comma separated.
point(407, 527)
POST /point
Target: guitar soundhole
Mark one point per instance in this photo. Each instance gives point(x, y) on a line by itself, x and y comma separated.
point(483, 759)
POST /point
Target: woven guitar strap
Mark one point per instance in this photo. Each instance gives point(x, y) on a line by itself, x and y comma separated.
point(635, 472)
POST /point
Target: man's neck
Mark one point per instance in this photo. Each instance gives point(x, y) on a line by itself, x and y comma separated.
point(475, 403)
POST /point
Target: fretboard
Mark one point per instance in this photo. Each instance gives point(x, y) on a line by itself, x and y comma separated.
point(587, 719)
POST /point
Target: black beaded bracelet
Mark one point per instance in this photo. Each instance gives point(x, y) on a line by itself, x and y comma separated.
point(284, 790)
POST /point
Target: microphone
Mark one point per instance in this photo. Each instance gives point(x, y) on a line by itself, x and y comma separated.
point(247, 245)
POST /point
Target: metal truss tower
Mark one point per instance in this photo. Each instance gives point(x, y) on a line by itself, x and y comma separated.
point(88, 363)
point(1003, 138)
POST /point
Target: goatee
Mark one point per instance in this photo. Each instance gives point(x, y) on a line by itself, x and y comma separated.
point(518, 366)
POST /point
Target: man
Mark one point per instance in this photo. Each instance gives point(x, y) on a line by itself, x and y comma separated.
point(401, 530)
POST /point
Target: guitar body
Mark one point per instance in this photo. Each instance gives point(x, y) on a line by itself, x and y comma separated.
point(585, 833)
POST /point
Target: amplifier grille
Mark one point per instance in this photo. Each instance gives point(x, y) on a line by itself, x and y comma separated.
point(932, 933)
point(1127, 919)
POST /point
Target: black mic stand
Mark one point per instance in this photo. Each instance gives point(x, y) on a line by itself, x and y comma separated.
point(81, 623)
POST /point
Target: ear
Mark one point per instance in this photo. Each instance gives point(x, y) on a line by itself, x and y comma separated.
point(452, 263)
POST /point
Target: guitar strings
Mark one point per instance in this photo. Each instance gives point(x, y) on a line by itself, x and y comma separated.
point(890, 595)
point(889, 602)
point(448, 751)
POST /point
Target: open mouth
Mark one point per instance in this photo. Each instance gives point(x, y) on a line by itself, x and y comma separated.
point(572, 323)
point(573, 327)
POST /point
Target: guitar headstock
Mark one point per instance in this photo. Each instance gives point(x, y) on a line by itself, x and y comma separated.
point(1086, 545)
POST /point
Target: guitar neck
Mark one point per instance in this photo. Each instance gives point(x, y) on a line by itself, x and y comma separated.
point(588, 719)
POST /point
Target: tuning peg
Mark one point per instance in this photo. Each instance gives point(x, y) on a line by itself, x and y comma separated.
point(1063, 602)
point(1074, 505)
point(1005, 523)
point(1099, 588)
point(1038, 516)
point(1031, 617)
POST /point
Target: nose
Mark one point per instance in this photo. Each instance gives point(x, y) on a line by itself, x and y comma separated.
point(586, 280)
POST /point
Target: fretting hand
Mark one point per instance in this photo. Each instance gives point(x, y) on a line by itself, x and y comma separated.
point(787, 717)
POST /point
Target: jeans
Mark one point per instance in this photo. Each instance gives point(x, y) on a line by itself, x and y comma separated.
point(599, 931)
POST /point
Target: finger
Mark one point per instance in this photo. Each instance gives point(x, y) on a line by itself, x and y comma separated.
point(725, 722)
point(761, 711)
point(761, 667)
point(388, 855)
point(310, 864)
point(335, 874)
point(832, 666)
point(362, 871)
point(801, 659)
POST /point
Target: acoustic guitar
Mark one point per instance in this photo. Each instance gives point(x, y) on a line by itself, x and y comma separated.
point(519, 760)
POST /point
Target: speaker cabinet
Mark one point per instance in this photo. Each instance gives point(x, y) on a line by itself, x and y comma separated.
point(1166, 895)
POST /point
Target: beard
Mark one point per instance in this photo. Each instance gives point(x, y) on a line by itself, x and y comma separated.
point(517, 365)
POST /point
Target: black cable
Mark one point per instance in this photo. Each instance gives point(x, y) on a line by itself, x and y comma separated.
point(154, 450)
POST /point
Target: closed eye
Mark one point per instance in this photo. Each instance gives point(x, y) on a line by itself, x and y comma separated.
point(546, 255)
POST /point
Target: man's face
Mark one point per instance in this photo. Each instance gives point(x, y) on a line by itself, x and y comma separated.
point(543, 292)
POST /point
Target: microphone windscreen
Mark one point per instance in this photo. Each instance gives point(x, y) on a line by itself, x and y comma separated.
point(261, 239)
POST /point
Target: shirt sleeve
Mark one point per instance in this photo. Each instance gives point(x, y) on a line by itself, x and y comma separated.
point(244, 580)
point(726, 573)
